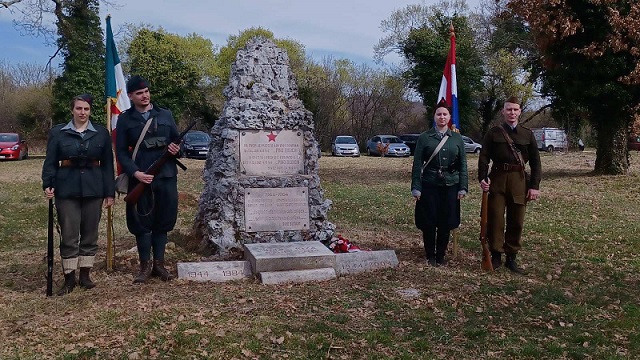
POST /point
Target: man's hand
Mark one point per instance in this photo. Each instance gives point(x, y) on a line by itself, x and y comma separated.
point(533, 194)
point(485, 184)
point(173, 148)
point(107, 202)
point(143, 177)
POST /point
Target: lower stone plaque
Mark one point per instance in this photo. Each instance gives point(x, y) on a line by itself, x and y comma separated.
point(216, 271)
point(298, 255)
point(357, 262)
point(274, 209)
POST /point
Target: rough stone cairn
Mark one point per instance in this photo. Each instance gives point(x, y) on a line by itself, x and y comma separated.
point(262, 95)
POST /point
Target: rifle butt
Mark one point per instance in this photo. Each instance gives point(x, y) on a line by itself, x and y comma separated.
point(486, 258)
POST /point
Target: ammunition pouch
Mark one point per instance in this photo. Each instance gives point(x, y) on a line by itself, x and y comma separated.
point(156, 142)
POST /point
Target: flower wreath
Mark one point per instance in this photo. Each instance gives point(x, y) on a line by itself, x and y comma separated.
point(339, 244)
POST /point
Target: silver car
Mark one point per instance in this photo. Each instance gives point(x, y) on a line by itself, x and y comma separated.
point(391, 143)
point(471, 146)
point(345, 146)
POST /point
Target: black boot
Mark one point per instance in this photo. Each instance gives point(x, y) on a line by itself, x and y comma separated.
point(69, 283)
point(84, 280)
point(143, 273)
point(429, 240)
point(512, 265)
point(496, 259)
point(160, 271)
point(442, 242)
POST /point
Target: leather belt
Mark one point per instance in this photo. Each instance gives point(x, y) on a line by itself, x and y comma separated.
point(76, 163)
point(507, 167)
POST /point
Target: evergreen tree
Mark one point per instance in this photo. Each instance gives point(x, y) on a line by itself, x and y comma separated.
point(80, 43)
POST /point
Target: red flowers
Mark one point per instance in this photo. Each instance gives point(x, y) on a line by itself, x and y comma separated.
point(339, 244)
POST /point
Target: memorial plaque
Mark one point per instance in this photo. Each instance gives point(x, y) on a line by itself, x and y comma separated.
point(274, 209)
point(357, 262)
point(216, 271)
point(298, 255)
point(271, 153)
point(297, 276)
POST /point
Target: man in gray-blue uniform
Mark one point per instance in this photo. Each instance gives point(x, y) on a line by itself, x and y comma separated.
point(155, 213)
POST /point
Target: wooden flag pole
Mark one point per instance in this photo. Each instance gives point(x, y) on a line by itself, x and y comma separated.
point(110, 208)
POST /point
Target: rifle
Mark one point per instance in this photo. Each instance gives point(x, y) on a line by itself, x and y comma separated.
point(50, 251)
point(486, 255)
point(133, 195)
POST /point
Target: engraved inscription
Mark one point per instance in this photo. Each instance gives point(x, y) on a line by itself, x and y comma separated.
point(271, 152)
point(273, 209)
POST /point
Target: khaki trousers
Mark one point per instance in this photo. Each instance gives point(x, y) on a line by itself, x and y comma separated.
point(507, 206)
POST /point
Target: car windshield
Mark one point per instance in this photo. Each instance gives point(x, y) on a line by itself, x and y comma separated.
point(345, 140)
point(198, 137)
point(8, 137)
point(391, 140)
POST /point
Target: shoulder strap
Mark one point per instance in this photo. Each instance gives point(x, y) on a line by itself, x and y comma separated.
point(144, 131)
point(433, 154)
point(512, 147)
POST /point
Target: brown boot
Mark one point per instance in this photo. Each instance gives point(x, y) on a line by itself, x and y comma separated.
point(69, 283)
point(143, 273)
point(84, 280)
point(160, 271)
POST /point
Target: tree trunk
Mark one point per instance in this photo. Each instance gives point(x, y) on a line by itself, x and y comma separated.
point(612, 156)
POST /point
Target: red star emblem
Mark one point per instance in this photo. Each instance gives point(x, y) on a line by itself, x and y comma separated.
point(272, 137)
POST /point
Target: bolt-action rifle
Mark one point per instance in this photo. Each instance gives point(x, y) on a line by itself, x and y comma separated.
point(50, 251)
point(133, 195)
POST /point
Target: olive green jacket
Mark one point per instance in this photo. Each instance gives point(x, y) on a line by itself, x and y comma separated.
point(451, 162)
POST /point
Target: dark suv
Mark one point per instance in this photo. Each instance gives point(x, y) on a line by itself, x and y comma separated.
point(410, 140)
point(195, 145)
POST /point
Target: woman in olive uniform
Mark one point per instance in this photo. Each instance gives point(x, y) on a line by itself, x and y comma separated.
point(439, 185)
point(78, 172)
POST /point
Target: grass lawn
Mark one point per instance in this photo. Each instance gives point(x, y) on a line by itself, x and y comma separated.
point(580, 300)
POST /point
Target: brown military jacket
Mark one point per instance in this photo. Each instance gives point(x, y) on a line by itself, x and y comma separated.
point(495, 148)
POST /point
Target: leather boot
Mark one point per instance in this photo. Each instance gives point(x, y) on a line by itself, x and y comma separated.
point(512, 265)
point(84, 280)
point(160, 271)
point(496, 259)
point(69, 283)
point(143, 273)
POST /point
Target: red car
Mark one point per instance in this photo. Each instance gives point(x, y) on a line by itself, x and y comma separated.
point(13, 147)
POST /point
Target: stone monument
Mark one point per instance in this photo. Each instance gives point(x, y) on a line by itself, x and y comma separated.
point(261, 180)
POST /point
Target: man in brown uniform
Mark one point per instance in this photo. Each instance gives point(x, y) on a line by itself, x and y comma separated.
point(509, 147)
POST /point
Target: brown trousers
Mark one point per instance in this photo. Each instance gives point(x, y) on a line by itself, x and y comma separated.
point(507, 205)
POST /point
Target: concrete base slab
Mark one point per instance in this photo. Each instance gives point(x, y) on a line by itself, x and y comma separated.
point(301, 255)
point(297, 276)
point(357, 262)
point(216, 271)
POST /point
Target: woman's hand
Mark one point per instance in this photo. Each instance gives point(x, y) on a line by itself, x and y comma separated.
point(49, 192)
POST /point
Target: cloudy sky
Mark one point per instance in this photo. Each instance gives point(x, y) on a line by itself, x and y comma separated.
point(340, 28)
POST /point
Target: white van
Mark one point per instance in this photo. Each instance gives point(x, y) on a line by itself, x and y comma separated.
point(551, 139)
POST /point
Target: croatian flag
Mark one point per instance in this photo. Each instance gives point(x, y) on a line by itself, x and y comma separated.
point(448, 86)
point(115, 88)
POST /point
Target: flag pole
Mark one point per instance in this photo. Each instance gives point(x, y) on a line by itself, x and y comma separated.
point(110, 208)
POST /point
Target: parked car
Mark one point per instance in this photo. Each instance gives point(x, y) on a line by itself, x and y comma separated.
point(551, 139)
point(410, 140)
point(195, 145)
point(391, 143)
point(345, 146)
point(13, 147)
point(634, 143)
point(471, 146)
